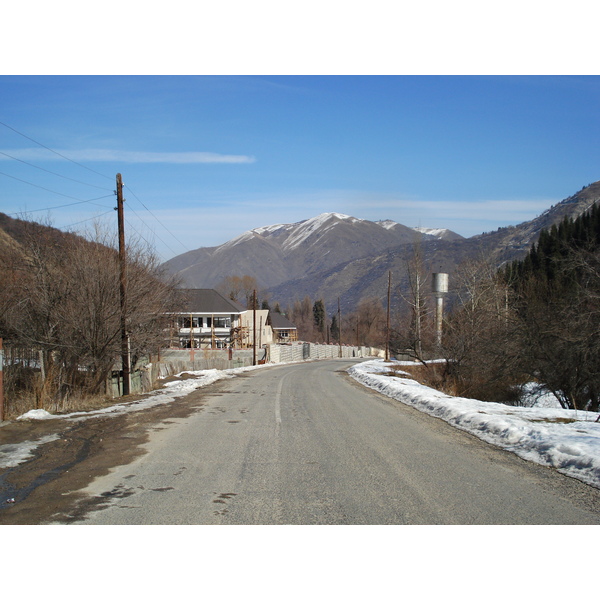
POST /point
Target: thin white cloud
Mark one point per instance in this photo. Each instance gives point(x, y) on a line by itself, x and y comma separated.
point(126, 156)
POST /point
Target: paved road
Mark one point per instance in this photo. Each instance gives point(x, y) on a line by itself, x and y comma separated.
point(305, 444)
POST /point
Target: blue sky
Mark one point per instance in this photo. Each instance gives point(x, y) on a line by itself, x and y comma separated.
point(205, 158)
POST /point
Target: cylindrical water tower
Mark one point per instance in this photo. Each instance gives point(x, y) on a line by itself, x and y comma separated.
point(439, 285)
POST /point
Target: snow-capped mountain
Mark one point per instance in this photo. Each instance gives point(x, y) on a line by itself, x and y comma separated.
point(335, 256)
point(277, 253)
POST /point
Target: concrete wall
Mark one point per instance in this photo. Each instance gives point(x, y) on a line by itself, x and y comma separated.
point(176, 360)
point(173, 361)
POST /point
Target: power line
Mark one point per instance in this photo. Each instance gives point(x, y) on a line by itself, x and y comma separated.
point(79, 200)
point(160, 223)
point(51, 172)
point(55, 152)
point(90, 219)
point(150, 245)
point(151, 231)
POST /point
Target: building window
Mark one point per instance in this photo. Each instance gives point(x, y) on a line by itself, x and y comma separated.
point(184, 322)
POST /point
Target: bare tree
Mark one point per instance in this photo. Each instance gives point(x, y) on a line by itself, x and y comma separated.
point(367, 325)
point(303, 318)
point(413, 329)
point(479, 344)
point(241, 289)
point(69, 309)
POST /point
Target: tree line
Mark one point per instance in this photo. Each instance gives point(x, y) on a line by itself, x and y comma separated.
point(60, 311)
point(364, 326)
point(534, 320)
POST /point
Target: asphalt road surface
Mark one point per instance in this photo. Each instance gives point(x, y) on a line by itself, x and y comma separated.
point(305, 444)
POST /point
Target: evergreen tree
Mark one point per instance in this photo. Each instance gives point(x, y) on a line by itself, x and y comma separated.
point(334, 329)
point(557, 286)
point(319, 315)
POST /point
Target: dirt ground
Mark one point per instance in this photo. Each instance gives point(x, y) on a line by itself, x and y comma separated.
point(45, 488)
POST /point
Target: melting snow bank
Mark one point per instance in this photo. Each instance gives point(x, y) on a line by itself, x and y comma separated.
point(13, 454)
point(567, 440)
point(171, 391)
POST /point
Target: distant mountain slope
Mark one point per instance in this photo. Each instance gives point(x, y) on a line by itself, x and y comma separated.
point(277, 253)
point(334, 255)
point(442, 234)
point(367, 277)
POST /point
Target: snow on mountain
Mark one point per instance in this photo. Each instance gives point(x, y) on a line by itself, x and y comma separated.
point(388, 224)
point(317, 225)
point(440, 233)
point(297, 232)
point(275, 254)
point(436, 232)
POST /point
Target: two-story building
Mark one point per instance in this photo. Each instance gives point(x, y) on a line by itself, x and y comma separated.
point(207, 319)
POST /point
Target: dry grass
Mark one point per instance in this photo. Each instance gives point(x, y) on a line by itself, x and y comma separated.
point(23, 402)
point(479, 385)
point(432, 375)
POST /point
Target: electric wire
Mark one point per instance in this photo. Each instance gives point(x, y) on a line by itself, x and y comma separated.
point(54, 151)
point(151, 231)
point(149, 244)
point(160, 223)
point(52, 172)
point(78, 200)
point(89, 219)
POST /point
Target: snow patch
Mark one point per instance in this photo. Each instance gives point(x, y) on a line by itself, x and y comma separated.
point(247, 235)
point(388, 224)
point(435, 232)
point(36, 415)
point(566, 440)
point(12, 455)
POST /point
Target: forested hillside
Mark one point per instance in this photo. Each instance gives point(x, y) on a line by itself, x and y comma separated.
point(535, 320)
point(557, 287)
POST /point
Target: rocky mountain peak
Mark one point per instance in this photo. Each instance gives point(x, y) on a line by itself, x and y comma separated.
point(335, 255)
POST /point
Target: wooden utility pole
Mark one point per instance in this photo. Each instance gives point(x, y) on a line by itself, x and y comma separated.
point(254, 328)
point(340, 327)
point(123, 288)
point(1, 382)
point(387, 329)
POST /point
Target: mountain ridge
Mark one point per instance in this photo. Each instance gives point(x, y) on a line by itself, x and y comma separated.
point(334, 255)
point(276, 253)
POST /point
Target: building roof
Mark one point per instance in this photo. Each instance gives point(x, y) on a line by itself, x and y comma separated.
point(208, 301)
point(278, 321)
